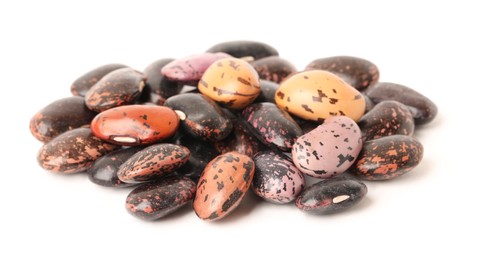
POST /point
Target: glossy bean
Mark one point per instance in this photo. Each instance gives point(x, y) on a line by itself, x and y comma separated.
point(422, 108)
point(73, 151)
point(204, 119)
point(60, 116)
point(118, 88)
point(357, 72)
point(273, 126)
point(331, 195)
point(153, 162)
point(241, 49)
point(388, 157)
point(135, 124)
point(152, 201)
point(222, 185)
point(82, 84)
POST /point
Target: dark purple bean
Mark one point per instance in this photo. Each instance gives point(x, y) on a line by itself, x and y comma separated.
point(357, 72)
point(73, 151)
point(118, 88)
point(241, 49)
point(273, 126)
point(153, 201)
point(60, 116)
point(331, 195)
point(204, 118)
point(104, 170)
point(422, 108)
point(387, 157)
point(81, 85)
point(387, 118)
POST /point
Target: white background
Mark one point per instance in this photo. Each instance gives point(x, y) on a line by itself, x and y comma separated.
point(432, 47)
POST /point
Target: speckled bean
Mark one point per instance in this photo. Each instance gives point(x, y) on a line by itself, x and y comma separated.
point(223, 184)
point(387, 157)
point(152, 201)
point(331, 195)
point(73, 151)
point(276, 179)
point(152, 163)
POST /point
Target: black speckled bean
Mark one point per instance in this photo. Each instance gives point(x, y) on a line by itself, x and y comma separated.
point(120, 87)
point(104, 170)
point(268, 91)
point(331, 195)
point(81, 85)
point(60, 116)
point(204, 118)
point(153, 162)
point(73, 151)
point(273, 126)
point(357, 72)
point(276, 179)
point(240, 49)
point(387, 118)
point(152, 201)
point(387, 157)
point(422, 108)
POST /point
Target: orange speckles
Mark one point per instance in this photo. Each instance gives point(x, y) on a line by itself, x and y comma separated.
point(393, 156)
point(73, 151)
point(392, 152)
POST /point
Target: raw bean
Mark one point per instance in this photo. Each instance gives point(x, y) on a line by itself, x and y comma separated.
point(241, 141)
point(73, 151)
point(201, 153)
point(222, 185)
point(158, 85)
point(422, 108)
point(191, 68)
point(387, 157)
point(231, 82)
point(135, 124)
point(271, 125)
point(153, 201)
point(81, 85)
point(118, 88)
point(357, 72)
point(104, 170)
point(60, 116)
point(273, 68)
point(387, 118)
point(268, 92)
point(241, 49)
point(328, 150)
point(203, 117)
point(317, 95)
point(331, 195)
point(276, 179)
point(153, 162)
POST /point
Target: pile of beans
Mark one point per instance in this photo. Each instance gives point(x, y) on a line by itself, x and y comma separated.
point(208, 127)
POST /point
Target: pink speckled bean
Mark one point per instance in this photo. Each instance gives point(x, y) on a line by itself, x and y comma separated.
point(273, 126)
point(328, 150)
